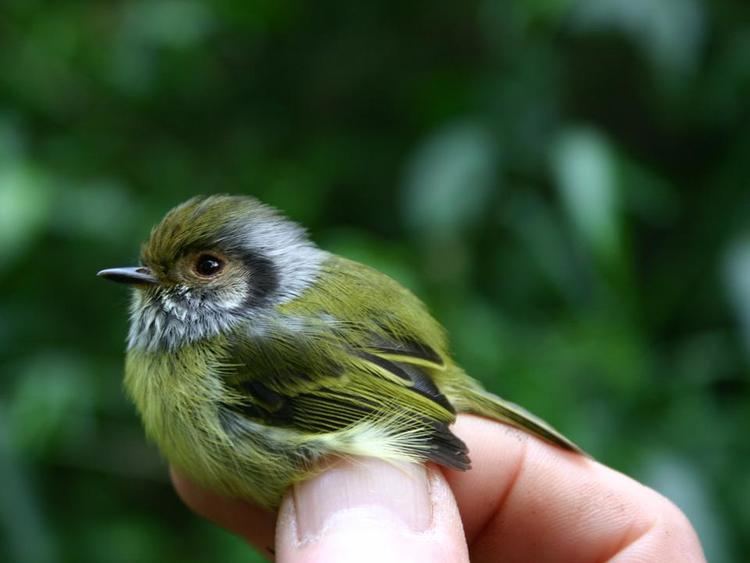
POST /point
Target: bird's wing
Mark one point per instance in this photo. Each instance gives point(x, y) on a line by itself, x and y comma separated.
point(317, 382)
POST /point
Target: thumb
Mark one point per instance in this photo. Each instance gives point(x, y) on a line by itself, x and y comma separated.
point(369, 510)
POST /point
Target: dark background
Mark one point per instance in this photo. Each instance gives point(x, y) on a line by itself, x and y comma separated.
point(563, 181)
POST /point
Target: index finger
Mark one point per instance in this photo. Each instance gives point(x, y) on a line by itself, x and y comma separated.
point(525, 500)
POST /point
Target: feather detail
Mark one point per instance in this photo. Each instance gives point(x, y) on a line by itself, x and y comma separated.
point(325, 358)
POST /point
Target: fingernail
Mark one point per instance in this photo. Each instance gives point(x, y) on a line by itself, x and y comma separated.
point(363, 488)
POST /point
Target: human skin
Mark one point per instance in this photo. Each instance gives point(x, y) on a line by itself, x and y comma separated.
point(523, 500)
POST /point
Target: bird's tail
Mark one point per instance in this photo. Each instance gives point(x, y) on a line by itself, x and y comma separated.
point(483, 403)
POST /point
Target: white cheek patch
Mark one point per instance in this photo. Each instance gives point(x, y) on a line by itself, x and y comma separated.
point(181, 315)
point(172, 319)
point(174, 308)
point(232, 297)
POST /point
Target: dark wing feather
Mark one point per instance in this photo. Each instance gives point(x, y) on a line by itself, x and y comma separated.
point(284, 383)
point(414, 375)
point(406, 348)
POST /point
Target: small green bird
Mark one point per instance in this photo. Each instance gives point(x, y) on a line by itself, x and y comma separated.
point(253, 356)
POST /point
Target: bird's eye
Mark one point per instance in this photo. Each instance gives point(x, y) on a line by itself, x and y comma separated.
point(208, 265)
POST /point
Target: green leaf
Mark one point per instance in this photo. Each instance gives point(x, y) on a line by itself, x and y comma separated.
point(449, 180)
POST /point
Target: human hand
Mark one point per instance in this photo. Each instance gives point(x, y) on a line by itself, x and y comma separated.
point(523, 500)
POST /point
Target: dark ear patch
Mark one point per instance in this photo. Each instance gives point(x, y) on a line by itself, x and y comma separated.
point(264, 277)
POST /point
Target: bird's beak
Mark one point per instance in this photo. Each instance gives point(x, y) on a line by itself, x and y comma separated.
point(133, 276)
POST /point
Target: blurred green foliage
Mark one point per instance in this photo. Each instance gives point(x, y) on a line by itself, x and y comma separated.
point(563, 181)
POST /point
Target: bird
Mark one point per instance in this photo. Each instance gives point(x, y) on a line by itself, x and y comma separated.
point(255, 358)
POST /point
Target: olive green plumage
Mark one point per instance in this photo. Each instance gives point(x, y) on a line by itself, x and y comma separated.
point(254, 357)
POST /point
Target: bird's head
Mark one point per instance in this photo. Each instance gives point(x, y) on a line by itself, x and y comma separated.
point(211, 263)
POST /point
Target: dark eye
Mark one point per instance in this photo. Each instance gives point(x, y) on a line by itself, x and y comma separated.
point(208, 265)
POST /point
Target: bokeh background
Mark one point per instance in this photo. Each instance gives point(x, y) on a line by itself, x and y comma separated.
point(563, 181)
